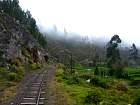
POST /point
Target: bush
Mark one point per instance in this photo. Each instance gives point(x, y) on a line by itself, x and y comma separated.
point(102, 82)
point(96, 72)
point(95, 81)
point(86, 76)
point(120, 73)
point(16, 61)
point(20, 70)
point(93, 97)
point(3, 72)
point(15, 74)
point(135, 82)
point(78, 66)
point(35, 66)
point(12, 76)
point(111, 72)
point(73, 80)
point(122, 86)
point(136, 100)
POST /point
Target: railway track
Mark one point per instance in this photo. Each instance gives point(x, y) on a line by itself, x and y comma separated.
point(32, 93)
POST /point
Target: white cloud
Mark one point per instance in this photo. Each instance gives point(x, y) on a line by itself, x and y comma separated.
point(89, 17)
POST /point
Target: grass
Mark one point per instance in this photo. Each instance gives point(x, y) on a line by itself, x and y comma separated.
point(136, 78)
point(75, 93)
point(7, 89)
point(134, 73)
point(132, 70)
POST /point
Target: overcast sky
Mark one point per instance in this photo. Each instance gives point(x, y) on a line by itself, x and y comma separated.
point(100, 18)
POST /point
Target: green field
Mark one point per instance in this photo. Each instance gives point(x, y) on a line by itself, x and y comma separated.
point(111, 91)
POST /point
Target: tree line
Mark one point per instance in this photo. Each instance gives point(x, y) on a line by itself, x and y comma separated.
point(13, 9)
point(113, 58)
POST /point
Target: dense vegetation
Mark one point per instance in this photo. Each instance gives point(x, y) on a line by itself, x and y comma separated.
point(85, 88)
point(110, 83)
point(12, 8)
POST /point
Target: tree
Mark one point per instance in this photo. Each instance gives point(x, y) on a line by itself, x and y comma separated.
point(133, 52)
point(12, 8)
point(113, 54)
point(133, 55)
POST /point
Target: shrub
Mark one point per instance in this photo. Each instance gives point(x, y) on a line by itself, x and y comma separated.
point(16, 61)
point(111, 72)
point(20, 70)
point(135, 82)
point(35, 66)
point(122, 86)
point(3, 72)
point(16, 74)
point(96, 72)
point(93, 97)
point(12, 76)
point(78, 66)
point(120, 73)
point(86, 76)
point(73, 80)
point(65, 77)
point(102, 82)
point(136, 100)
point(13, 68)
point(95, 81)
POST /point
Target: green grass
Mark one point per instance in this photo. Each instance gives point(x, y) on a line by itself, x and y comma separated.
point(81, 68)
point(134, 73)
point(7, 89)
point(136, 78)
point(132, 70)
point(77, 92)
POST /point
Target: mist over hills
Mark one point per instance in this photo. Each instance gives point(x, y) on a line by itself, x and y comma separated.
point(82, 47)
point(73, 36)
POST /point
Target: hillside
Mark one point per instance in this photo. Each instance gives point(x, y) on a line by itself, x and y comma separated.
point(22, 48)
point(14, 39)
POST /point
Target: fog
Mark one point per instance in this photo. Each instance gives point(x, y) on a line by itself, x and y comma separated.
point(96, 19)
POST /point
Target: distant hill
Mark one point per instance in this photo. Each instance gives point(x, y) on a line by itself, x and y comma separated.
point(83, 48)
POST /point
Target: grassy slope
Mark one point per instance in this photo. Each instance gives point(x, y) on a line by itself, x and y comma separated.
point(7, 89)
point(75, 93)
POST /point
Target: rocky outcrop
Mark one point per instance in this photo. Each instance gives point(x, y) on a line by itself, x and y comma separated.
point(16, 41)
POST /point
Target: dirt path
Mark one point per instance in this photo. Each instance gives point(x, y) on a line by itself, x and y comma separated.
point(55, 94)
point(49, 88)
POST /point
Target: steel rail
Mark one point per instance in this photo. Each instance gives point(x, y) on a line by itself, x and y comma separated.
point(40, 90)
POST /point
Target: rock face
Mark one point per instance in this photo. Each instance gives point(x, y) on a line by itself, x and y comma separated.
point(15, 41)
